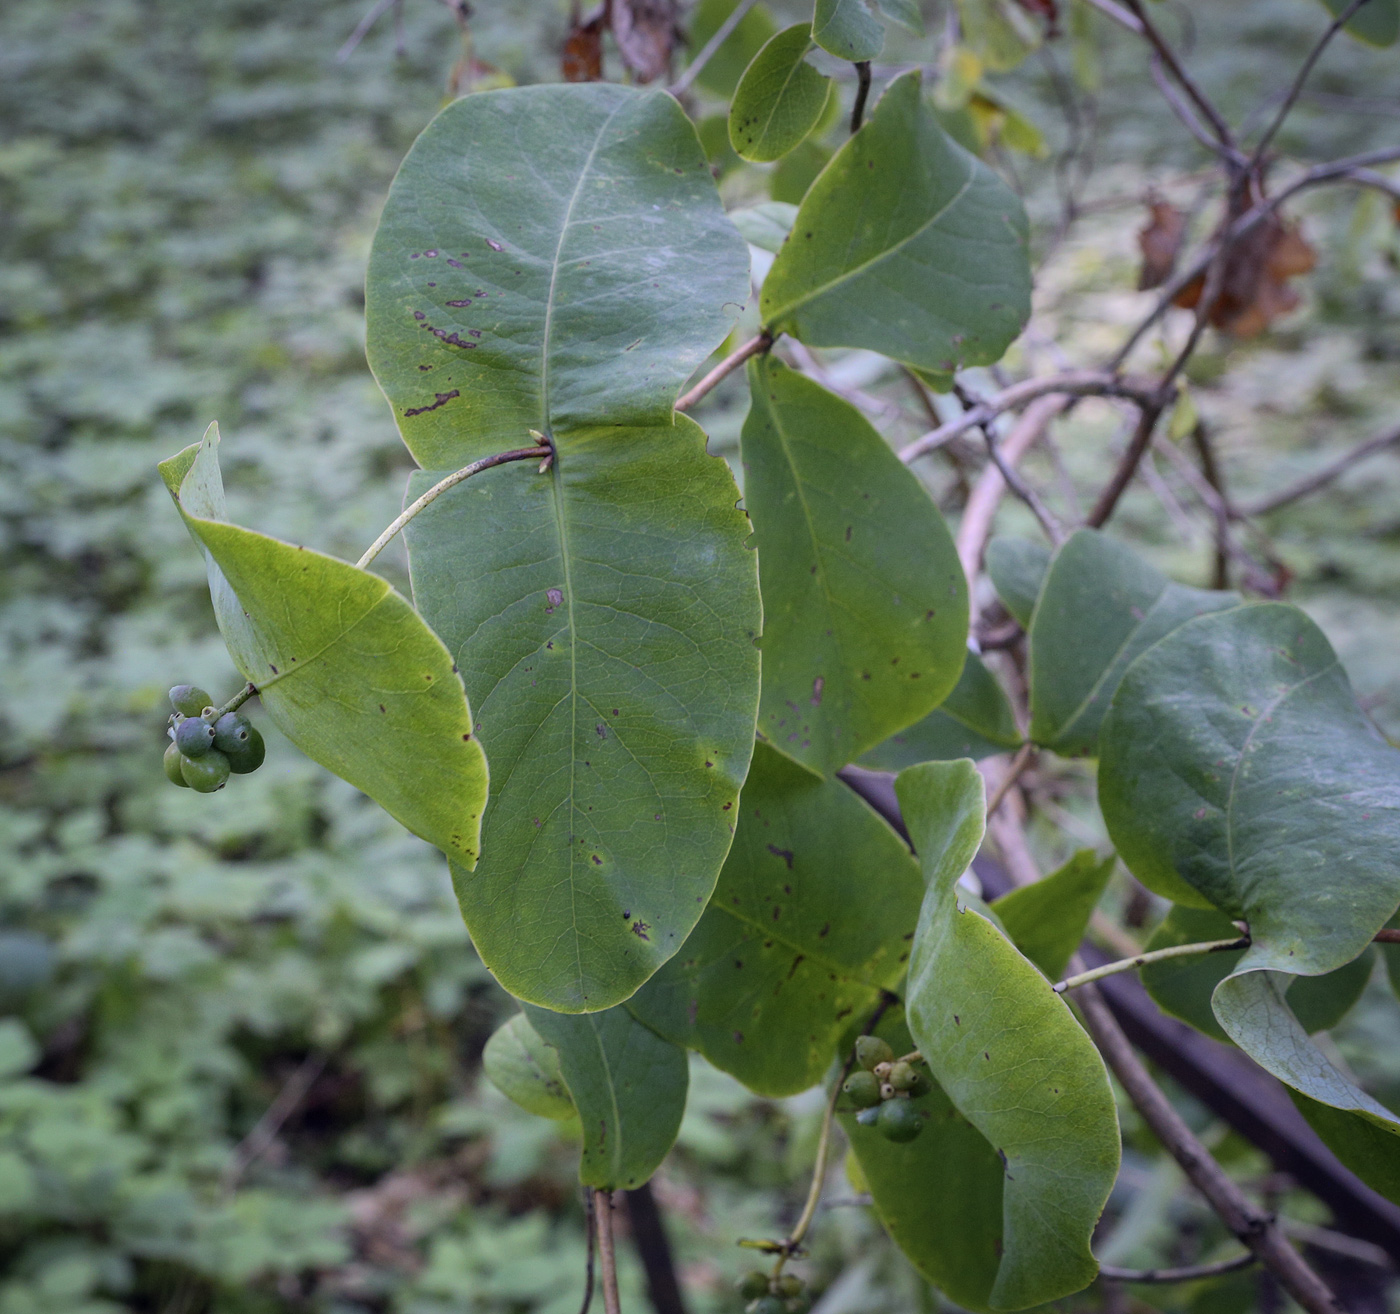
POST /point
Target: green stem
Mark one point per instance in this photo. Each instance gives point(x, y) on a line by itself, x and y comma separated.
point(439, 488)
point(1151, 956)
point(236, 701)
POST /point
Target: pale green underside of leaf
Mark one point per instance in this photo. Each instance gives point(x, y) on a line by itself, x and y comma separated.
point(940, 1196)
point(1250, 1006)
point(346, 669)
point(1183, 986)
point(1371, 1152)
point(847, 29)
point(548, 256)
point(765, 225)
point(1008, 1053)
point(779, 99)
point(1377, 22)
point(1100, 607)
point(604, 618)
point(629, 1086)
point(1047, 920)
point(906, 245)
point(976, 720)
point(865, 601)
point(1016, 567)
point(1237, 768)
point(525, 1069)
point(811, 919)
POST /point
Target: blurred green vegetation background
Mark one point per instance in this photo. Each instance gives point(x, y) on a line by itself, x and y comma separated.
point(240, 1034)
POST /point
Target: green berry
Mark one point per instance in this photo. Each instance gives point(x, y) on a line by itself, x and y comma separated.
point(791, 1285)
point(194, 737)
point(189, 699)
point(766, 1305)
point(922, 1085)
point(902, 1075)
point(868, 1117)
point(899, 1121)
point(207, 773)
point(798, 1304)
point(862, 1089)
point(871, 1050)
point(171, 762)
point(232, 733)
point(250, 756)
point(753, 1284)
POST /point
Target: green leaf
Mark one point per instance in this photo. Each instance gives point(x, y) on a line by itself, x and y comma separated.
point(1008, 1052)
point(18, 1049)
point(1100, 607)
point(906, 245)
point(1047, 920)
point(864, 599)
point(848, 30)
point(726, 66)
point(604, 619)
point(504, 291)
point(951, 1234)
point(797, 171)
point(1017, 568)
point(629, 1086)
point(1391, 954)
point(975, 720)
point(809, 922)
point(780, 98)
point(1237, 768)
point(603, 614)
point(1183, 986)
point(346, 669)
point(1250, 1006)
point(1001, 32)
point(1371, 1152)
point(765, 225)
point(1377, 23)
point(523, 1068)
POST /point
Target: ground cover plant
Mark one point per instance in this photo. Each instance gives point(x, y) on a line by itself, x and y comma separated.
point(764, 782)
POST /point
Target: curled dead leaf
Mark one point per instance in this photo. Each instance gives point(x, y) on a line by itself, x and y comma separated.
point(1160, 243)
point(645, 31)
point(582, 59)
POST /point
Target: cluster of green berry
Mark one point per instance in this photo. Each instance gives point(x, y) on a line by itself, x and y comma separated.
point(882, 1089)
point(207, 745)
point(784, 1294)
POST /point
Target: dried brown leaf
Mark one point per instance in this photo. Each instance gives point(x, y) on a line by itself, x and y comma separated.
point(1160, 243)
point(645, 31)
point(582, 60)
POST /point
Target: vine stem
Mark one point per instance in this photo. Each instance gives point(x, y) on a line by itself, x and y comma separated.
point(814, 1192)
point(607, 1254)
point(1255, 1228)
point(707, 51)
point(1013, 773)
point(1151, 956)
point(442, 485)
point(592, 1249)
point(1189, 1273)
point(862, 94)
point(755, 346)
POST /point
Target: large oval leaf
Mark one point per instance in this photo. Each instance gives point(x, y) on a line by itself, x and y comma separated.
point(905, 244)
point(848, 29)
point(1008, 1053)
point(346, 669)
point(604, 619)
point(557, 258)
point(780, 99)
point(1236, 767)
point(548, 256)
point(1101, 606)
point(1371, 1152)
point(940, 1196)
point(865, 602)
point(810, 920)
point(976, 720)
point(629, 1086)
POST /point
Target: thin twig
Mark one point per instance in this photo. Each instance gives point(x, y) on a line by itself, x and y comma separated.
point(707, 51)
point(1150, 956)
point(1127, 466)
point(1014, 482)
point(592, 1231)
point(1190, 1273)
point(1076, 383)
point(236, 701)
point(1323, 477)
point(1387, 935)
point(1251, 1225)
point(1300, 80)
point(1013, 773)
point(607, 1254)
point(1186, 115)
point(862, 94)
point(439, 488)
point(1214, 477)
point(755, 346)
point(1324, 1238)
point(255, 1144)
point(376, 12)
point(1118, 14)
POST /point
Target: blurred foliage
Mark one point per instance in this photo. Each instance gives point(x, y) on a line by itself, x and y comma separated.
point(239, 1058)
